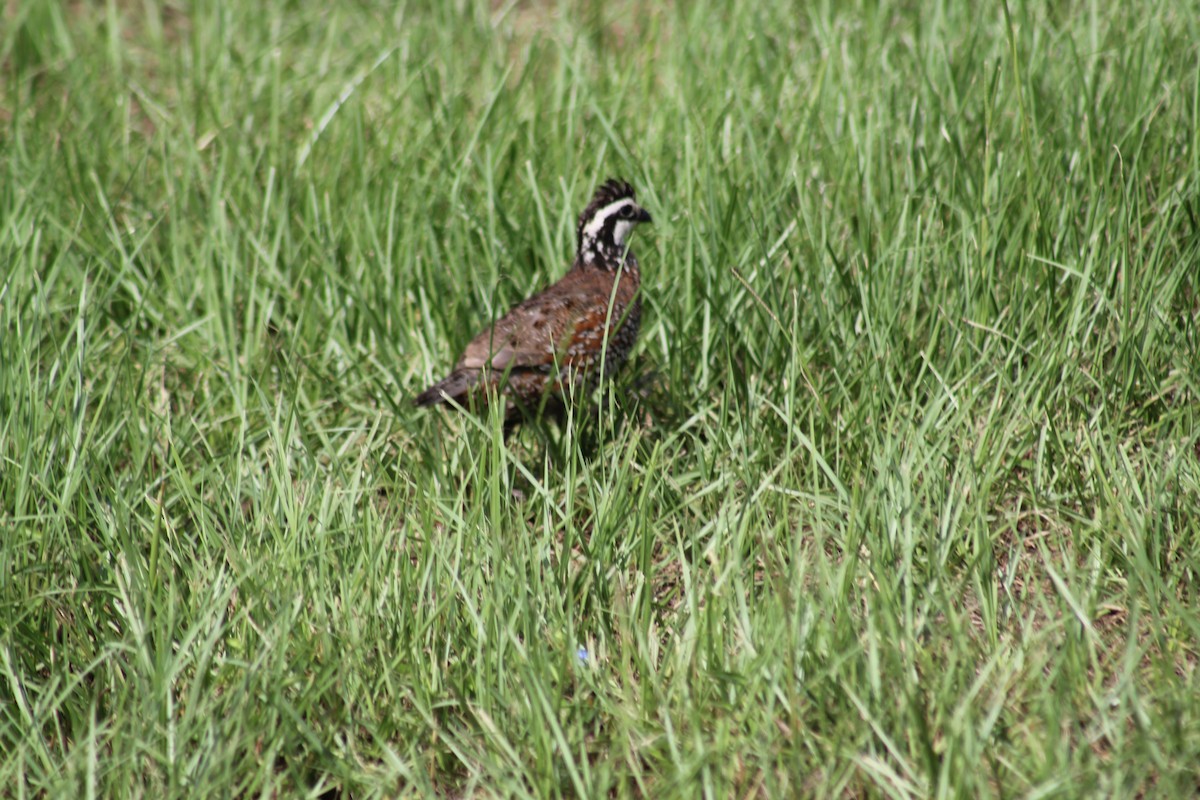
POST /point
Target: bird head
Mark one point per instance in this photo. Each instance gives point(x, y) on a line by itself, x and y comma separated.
point(608, 220)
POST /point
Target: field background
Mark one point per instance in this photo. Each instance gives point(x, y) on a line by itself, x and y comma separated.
point(900, 495)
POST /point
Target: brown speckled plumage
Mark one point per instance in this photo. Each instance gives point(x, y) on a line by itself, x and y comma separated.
point(562, 336)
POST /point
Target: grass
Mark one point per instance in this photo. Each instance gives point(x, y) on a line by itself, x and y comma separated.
point(899, 496)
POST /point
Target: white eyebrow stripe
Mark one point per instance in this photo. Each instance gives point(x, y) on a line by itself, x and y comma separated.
point(593, 228)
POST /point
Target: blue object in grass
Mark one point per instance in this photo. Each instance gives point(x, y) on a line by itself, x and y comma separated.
point(582, 654)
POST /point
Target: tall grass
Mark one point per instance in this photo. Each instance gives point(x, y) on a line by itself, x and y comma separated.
point(899, 495)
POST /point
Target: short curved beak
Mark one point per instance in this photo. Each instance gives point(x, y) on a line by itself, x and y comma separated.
point(643, 216)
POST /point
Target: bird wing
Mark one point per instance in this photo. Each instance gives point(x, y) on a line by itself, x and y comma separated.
point(552, 328)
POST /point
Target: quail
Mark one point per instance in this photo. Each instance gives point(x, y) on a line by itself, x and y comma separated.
point(568, 336)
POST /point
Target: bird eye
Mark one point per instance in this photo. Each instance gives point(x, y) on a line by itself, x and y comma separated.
point(626, 212)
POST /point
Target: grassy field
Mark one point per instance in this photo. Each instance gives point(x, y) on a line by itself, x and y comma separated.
point(899, 495)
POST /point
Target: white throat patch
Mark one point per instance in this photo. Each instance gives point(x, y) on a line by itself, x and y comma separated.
point(621, 232)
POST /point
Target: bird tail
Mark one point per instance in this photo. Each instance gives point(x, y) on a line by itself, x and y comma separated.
point(455, 386)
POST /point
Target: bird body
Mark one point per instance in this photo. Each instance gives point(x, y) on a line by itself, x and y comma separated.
point(570, 335)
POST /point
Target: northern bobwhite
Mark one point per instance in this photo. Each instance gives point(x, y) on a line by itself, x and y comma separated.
point(569, 335)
